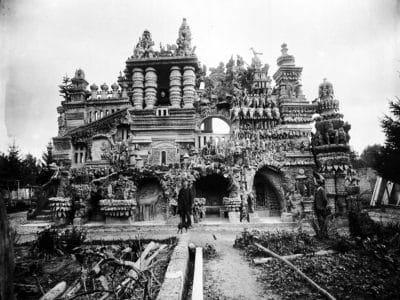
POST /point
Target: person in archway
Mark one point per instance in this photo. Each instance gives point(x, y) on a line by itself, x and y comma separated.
point(185, 203)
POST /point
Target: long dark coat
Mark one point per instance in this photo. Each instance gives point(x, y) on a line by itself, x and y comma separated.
point(185, 200)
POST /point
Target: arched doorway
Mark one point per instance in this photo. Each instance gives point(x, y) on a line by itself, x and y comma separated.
point(150, 200)
point(214, 132)
point(268, 192)
point(213, 187)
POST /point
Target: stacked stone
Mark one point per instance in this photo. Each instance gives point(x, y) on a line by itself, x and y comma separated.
point(150, 86)
point(330, 145)
point(137, 79)
point(188, 86)
point(175, 89)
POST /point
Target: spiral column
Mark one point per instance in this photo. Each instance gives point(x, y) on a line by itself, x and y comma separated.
point(175, 87)
point(188, 86)
point(150, 85)
point(137, 78)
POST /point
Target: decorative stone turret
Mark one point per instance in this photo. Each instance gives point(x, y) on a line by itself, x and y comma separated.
point(184, 40)
point(115, 88)
point(150, 86)
point(331, 146)
point(137, 85)
point(104, 91)
point(175, 87)
point(94, 88)
point(188, 86)
point(288, 78)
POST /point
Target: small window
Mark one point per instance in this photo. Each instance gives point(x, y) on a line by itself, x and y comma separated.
point(112, 111)
point(90, 116)
point(101, 114)
point(163, 157)
point(95, 115)
point(106, 112)
point(76, 158)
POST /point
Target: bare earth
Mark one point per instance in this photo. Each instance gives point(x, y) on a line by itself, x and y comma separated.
point(228, 276)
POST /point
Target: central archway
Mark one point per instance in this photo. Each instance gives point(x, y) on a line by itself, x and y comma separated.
point(212, 187)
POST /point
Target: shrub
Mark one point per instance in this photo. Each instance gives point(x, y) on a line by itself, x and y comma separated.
point(53, 240)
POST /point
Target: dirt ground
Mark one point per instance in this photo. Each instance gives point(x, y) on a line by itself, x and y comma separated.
point(228, 276)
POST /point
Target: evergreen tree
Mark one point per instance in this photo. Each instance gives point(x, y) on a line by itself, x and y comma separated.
point(370, 154)
point(30, 170)
point(388, 160)
point(45, 172)
point(11, 168)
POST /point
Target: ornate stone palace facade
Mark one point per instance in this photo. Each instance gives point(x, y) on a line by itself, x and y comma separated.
point(161, 108)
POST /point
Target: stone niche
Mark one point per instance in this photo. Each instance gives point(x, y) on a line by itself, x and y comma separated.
point(99, 145)
point(150, 200)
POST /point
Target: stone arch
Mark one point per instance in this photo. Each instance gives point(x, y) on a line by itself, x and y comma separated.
point(222, 117)
point(268, 188)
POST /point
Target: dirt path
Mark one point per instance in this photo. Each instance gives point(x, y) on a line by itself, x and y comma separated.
point(228, 276)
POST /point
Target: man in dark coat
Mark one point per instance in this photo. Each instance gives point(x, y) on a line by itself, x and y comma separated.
point(320, 207)
point(185, 203)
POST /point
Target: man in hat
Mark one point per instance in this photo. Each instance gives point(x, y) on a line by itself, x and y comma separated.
point(320, 207)
point(185, 203)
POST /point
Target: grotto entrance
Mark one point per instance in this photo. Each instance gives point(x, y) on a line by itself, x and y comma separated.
point(213, 187)
point(268, 192)
point(151, 204)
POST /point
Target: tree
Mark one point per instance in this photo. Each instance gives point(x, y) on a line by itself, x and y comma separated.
point(370, 154)
point(388, 160)
point(11, 168)
point(29, 170)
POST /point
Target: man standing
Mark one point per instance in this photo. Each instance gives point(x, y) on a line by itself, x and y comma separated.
point(320, 207)
point(185, 203)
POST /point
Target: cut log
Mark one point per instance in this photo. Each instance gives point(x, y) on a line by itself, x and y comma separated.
point(55, 292)
point(308, 279)
point(148, 260)
point(73, 289)
point(263, 260)
point(145, 252)
point(26, 288)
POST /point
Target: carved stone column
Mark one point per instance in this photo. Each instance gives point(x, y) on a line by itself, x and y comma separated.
point(150, 86)
point(188, 86)
point(137, 79)
point(175, 87)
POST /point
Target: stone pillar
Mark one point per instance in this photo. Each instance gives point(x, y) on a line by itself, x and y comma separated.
point(104, 91)
point(188, 86)
point(93, 88)
point(150, 86)
point(175, 87)
point(137, 79)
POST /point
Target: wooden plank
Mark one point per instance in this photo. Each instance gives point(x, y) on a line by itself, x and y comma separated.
point(377, 188)
point(197, 292)
point(387, 192)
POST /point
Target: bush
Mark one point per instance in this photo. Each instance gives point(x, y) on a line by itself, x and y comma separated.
point(53, 240)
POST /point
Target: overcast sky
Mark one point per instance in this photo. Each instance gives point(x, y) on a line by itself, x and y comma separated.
point(355, 44)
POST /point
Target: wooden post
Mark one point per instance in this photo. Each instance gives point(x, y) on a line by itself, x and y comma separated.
point(6, 257)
